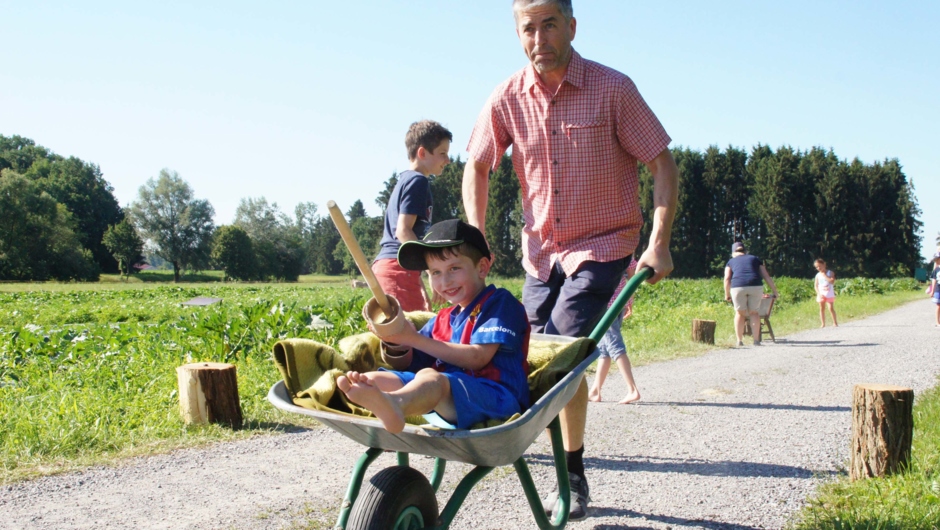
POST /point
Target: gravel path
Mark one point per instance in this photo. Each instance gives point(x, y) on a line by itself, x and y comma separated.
point(735, 439)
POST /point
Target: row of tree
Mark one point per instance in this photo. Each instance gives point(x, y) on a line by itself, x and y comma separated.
point(59, 218)
point(790, 207)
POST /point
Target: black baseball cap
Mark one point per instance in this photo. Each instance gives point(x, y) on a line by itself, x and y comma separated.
point(441, 235)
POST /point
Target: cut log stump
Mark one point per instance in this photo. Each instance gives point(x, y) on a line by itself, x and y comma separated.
point(703, 331)
point(882, 426)
point(209, 394)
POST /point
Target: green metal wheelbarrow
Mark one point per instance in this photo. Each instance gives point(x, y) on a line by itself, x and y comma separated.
point(401, 497)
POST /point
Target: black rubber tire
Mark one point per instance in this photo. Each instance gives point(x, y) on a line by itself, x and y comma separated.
point(389, 493)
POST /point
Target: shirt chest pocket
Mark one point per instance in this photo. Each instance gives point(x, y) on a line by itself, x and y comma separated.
point(586, 133)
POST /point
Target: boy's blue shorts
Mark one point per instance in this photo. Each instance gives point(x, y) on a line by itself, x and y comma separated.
point(476, 399)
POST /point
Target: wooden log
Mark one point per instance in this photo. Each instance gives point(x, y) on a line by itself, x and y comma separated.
point(703, 331)
point(882, 426)
point(209, 394)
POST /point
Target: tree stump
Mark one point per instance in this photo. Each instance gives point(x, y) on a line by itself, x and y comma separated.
point(703, 331)
point(882, 426)
point(209, 394)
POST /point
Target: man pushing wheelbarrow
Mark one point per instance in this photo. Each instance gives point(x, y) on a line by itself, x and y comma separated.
point(577, 129)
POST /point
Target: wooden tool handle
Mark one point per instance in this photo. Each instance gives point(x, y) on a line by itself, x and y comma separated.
point(340, 221)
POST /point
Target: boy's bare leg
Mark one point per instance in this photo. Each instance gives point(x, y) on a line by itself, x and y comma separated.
point(428, 391)
point(633, 393)
point(603, 366)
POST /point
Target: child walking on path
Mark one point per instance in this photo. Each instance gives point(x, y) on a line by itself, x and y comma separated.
point(613, 348)
point(825, 292)
point(469, 363)
point(934, 289)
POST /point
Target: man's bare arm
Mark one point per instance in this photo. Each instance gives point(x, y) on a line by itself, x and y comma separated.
point(665, 196)
point(476, 178)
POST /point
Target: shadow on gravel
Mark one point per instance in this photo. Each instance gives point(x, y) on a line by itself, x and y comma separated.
point(762, 406)
point(691, 466)
point(710, 468)
point(824, 343)
point(599, 511)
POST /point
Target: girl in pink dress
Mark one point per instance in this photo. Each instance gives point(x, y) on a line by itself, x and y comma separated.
point(825, 292)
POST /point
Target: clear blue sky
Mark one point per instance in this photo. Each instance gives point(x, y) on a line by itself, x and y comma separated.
point(309, 101)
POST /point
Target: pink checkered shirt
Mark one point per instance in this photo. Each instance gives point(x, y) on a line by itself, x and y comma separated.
point(576, 157)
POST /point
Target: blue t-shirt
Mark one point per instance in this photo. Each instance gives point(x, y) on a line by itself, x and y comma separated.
point(745, 271)
point(498, 318)
point(411, 196)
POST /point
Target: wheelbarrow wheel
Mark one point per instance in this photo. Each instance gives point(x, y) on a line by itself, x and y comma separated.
point(399, 497)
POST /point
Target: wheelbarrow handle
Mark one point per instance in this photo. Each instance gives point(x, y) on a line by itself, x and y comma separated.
point(641, 276)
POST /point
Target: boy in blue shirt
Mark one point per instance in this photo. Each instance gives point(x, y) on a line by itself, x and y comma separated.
point(408, 214)
point(468, 363)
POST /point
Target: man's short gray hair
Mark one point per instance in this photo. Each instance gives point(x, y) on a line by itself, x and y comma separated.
point(563, 5)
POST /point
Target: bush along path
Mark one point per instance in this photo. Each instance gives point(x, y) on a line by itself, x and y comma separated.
point(734, 439)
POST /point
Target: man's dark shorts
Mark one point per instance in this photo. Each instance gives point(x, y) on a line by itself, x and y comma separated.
point(573, 305)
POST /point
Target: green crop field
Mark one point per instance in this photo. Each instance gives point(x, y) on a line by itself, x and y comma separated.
point(87, 371)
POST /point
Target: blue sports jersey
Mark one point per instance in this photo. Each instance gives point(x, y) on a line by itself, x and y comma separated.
point(494, 317)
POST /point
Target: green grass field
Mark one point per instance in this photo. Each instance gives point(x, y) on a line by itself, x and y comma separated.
point(87, 371)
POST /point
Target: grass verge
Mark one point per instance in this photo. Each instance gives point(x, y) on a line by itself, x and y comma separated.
point(909, 500)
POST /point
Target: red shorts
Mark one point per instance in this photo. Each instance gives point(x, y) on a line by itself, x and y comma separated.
point(406, 286)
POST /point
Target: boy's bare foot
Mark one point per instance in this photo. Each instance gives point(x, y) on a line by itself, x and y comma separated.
point(365, 395)
point(594, 395)
point(632, 397)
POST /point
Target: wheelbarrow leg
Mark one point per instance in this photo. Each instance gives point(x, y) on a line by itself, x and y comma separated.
point(564, 487)
point(437, 476)
point(355, 483)
point(460, 494)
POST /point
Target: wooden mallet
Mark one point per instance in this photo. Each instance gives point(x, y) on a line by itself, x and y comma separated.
point(362, 263)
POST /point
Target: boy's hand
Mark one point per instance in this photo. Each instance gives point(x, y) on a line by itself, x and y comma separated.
point(405, 337)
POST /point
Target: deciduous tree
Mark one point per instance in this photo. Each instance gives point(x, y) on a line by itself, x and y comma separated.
point(179, 225)
point(125, 245)
point(233, 252)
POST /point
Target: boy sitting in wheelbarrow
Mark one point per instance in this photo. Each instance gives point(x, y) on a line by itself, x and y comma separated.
point(468, 363)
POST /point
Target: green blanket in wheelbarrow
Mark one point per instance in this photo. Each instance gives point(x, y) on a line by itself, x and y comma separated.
point(310, 368)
